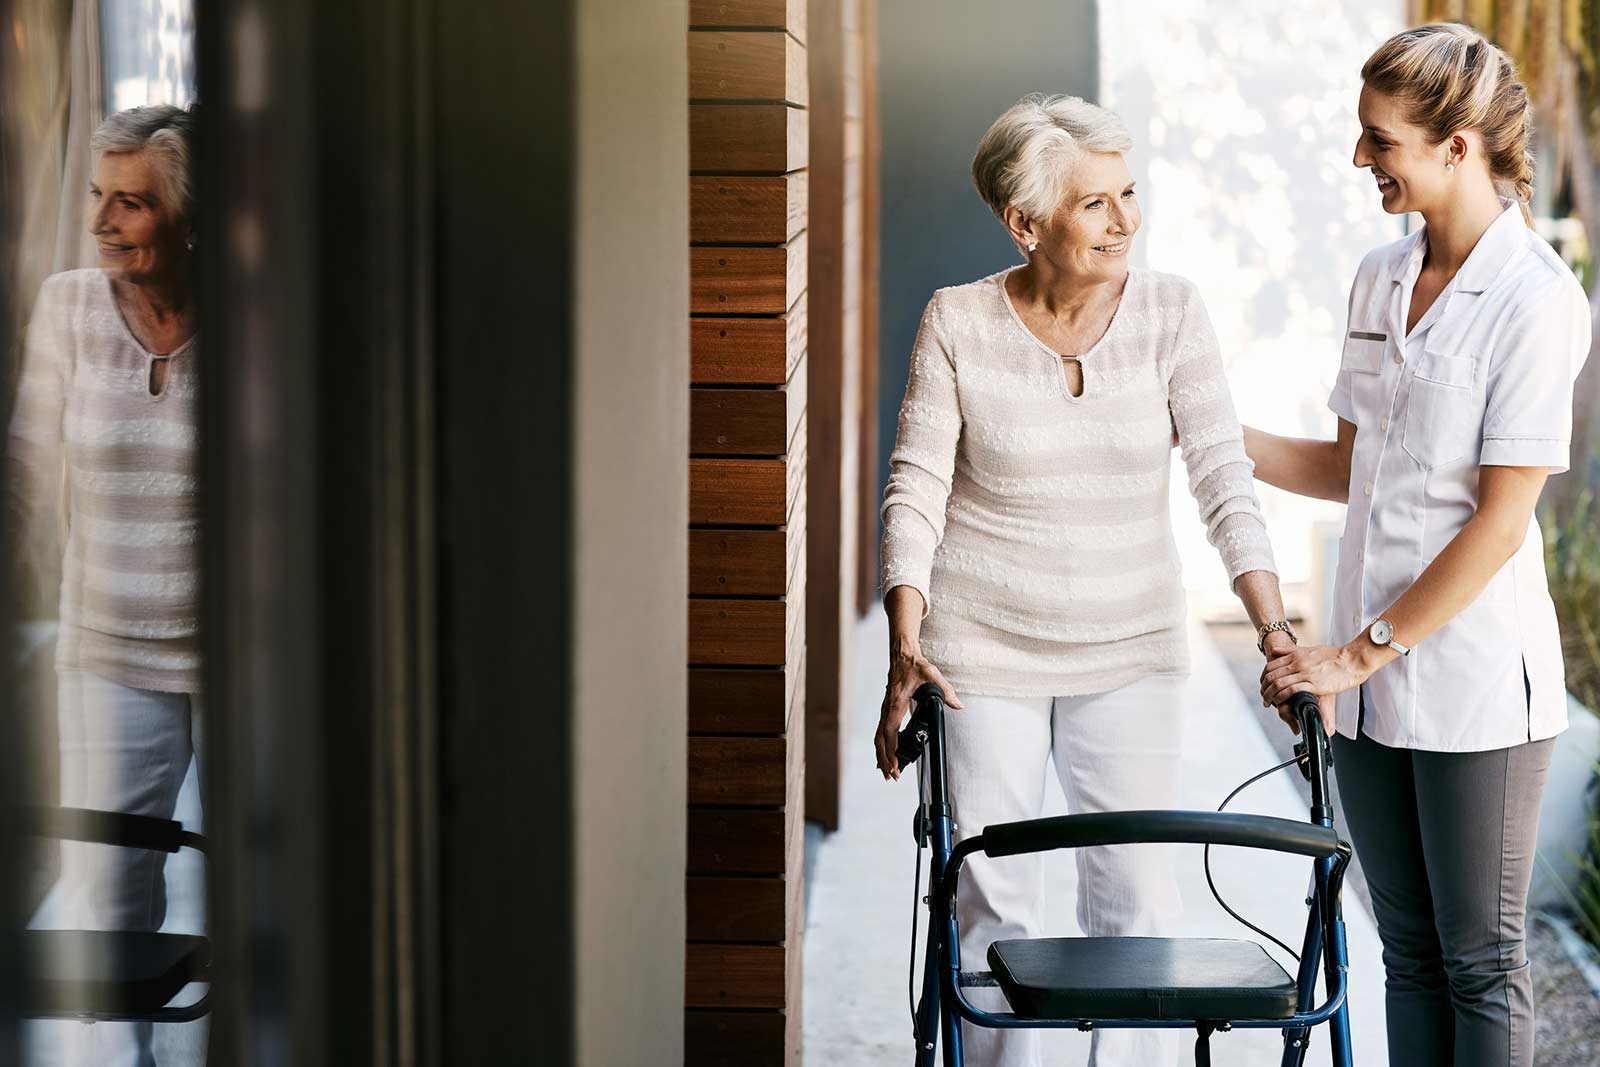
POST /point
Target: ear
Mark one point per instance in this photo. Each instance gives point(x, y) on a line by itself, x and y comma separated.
point(1456, 147)
point(1019, 226)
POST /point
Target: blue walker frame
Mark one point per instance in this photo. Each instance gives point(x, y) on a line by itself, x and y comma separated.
point(944, 1004)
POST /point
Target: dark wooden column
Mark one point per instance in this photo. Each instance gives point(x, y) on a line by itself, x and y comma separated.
point(747, 514)
point(837, 249)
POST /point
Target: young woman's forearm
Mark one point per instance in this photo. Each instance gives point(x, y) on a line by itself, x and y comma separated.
point(1312, 468)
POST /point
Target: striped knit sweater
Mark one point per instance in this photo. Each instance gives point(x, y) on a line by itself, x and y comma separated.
point(1035, 524)
point(94, 457)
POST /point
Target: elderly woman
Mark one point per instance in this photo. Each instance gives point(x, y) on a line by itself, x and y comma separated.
point(102, 443)
point(1029, 567)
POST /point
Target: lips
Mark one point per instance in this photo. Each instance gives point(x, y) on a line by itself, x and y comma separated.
point(1112, 250)
point(1385, 183)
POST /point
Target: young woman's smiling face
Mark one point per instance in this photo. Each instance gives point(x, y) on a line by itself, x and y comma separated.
point(1410, 173)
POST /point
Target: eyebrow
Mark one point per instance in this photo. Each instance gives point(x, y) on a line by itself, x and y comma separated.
point(1090, 196)
point(1379, 130)
point(146, 197)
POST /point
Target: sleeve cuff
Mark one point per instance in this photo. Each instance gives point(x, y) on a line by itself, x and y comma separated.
point(892, 580)
point(1339, 404)
point(1553, 452)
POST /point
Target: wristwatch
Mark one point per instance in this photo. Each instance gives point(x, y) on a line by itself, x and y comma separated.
point(1273, 627)
point(1382, 633)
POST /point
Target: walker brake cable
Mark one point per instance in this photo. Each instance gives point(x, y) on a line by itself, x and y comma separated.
point(1302, 757)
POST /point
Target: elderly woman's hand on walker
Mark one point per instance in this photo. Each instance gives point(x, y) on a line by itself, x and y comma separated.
point(908, 670)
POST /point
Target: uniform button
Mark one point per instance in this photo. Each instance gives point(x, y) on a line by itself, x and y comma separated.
point(1398, 358)
point(1367, 488)
point(1384, 424)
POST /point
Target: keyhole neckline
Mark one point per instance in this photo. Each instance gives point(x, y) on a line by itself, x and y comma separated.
point(1058, 359)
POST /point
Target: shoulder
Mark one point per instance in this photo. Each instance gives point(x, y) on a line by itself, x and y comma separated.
point(1387, 259)
point(969, 312)
point(74, 286)
point(980, 293)
point(62, 297)
point(1171, 300)
point(1541, 281)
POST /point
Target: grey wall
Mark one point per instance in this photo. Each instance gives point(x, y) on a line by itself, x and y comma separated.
point(946, 71)
point(630, 719)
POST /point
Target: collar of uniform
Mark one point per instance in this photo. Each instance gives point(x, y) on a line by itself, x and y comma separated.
point(1486, 260)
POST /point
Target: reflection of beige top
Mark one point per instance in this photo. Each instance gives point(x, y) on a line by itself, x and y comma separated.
point(86, 425)
point(1035, 523)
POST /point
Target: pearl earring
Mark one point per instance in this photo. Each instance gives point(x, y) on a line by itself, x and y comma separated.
point(1449, 168)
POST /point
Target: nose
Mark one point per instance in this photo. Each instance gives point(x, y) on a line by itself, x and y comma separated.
point(1362, 157)
point(1119, 218)
point(99, 217)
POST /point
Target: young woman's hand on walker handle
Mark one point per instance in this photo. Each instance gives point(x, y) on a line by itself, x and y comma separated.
point(908, 670)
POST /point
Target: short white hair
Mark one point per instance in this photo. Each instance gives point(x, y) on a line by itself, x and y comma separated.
point(1028, 154)
point(167, 133)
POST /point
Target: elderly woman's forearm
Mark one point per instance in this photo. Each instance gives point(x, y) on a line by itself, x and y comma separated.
point(904, 606)
point(1299, 465)
point(1261, 596)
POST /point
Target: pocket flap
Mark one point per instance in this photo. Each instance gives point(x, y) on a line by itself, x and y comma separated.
point(1452, 370)
point(1363, 351)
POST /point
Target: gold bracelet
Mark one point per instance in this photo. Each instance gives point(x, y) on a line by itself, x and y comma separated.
point(1272, 627)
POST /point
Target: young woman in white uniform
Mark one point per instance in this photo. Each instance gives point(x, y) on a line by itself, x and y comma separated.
point(1454, 399)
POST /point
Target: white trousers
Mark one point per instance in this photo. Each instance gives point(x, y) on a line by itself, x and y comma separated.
point(122, 749)
point(1112, 751)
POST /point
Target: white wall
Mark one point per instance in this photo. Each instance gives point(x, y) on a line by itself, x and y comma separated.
point(632, 513)
point(1243, 115)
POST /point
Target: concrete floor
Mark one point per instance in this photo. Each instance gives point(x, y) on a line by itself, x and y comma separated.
point(858, 920)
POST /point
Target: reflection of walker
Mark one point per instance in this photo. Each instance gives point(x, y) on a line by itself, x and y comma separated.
point(1130, 982)
point(112, 975)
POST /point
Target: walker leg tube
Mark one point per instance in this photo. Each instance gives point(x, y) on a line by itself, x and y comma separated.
point(1297, 1039)
point(928, 1006)
point(1339, 1025)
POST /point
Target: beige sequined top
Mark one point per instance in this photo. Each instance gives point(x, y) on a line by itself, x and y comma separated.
point(1035, 524)
point(103, 469)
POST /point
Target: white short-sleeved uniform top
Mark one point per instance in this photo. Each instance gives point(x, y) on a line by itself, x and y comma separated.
point(1484, 379)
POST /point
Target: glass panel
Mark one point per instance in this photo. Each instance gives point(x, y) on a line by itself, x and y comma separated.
point(100, 481)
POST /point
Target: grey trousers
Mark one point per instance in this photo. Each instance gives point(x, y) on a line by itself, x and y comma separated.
point(1447, 843)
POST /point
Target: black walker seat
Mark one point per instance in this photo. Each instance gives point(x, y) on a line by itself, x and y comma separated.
point(105, 975)
point(1141, 978)
point(1210, 985)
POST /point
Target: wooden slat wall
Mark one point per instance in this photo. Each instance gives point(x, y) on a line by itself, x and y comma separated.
point(834, 354)
point(748, 493)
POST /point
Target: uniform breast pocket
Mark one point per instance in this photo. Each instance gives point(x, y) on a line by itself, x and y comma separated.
point(1362, 363)
point(1444, 415)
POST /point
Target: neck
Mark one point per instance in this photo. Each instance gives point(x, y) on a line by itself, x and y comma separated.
point(159, 298)
point(1455, 227)
point(1063, 295)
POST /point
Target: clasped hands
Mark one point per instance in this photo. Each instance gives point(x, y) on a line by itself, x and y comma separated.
point(1322, 670)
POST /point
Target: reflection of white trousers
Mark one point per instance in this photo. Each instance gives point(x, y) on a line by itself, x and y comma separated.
point(1112, 751)
point(122, 749)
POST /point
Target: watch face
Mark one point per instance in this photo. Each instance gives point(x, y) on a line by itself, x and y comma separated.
point(1382, 631)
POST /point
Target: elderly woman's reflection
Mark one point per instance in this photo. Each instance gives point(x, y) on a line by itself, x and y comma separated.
point(102, 451)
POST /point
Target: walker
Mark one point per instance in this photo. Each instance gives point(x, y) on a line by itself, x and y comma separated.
point(1086, 983)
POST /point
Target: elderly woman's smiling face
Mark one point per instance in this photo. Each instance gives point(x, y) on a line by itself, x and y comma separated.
point(1092, 230)
point(141, 236)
